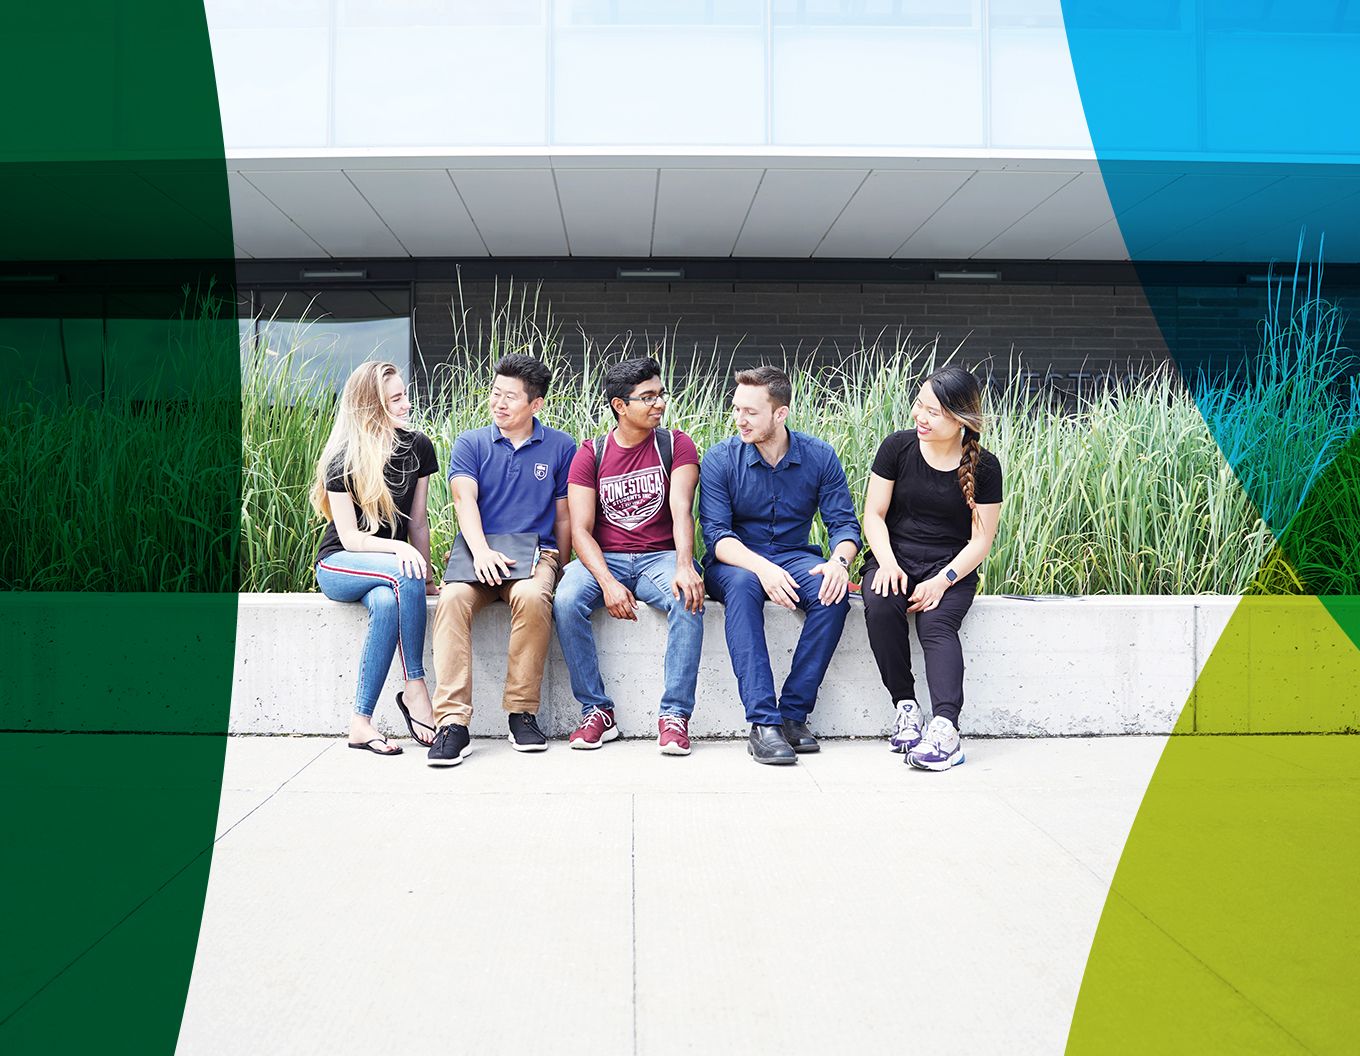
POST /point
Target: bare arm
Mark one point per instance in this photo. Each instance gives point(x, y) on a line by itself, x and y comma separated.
point(419, 529)
point(889, 576)
point(687, 582)
point(490, 565)
point(618, 599)
point(413, 563)
point(928, 593)
point(562, 530)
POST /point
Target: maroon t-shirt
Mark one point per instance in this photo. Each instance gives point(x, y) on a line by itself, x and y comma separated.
point(632, 496)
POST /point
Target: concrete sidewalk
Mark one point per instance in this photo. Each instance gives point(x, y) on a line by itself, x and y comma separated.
point(619, 901)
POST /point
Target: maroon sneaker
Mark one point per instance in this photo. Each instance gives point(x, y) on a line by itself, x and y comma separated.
point(672, 735)
point(595, 729)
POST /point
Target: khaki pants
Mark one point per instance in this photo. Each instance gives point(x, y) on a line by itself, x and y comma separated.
point(531, 624)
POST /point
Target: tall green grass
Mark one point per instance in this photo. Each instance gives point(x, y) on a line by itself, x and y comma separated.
point(1128, 493)
point(135, 490)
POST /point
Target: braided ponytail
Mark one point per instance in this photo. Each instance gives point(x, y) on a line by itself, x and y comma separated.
point(959, 393)
point(972, 452)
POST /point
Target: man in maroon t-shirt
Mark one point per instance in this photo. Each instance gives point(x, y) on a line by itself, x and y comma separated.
point(632, 527)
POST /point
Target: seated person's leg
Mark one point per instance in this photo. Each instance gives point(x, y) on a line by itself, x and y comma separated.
point(458, 604)
point(577, 596)
point(531, 612)
point(820, 635)
point(743, 600)
point(684, 633)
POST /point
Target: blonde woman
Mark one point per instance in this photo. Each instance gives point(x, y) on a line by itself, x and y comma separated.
point(371, 485)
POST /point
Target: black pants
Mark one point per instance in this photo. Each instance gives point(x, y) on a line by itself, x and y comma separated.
point(938, 631)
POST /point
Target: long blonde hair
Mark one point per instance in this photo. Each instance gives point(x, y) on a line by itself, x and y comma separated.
point(362, 441)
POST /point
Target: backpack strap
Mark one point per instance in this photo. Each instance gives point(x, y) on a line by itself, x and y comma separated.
point(661, 438)
point(599, 455)
point(665, 447)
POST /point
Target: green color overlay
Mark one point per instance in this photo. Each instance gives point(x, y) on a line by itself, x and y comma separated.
point(120, 461)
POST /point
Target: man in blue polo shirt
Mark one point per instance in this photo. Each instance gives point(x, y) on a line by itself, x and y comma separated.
point(759, 491)
point(507, 477)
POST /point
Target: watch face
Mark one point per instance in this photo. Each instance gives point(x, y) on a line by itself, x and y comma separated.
point(950, 575)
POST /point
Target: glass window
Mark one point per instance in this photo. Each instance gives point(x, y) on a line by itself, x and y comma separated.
point(1034, 98)
point(897, 73)
point(319, 336)
point(660, 12)
point(687, 84)
point(424, 73)
point(272, 62)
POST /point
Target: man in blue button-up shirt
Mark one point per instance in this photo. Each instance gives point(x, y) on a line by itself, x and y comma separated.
point(759, 491)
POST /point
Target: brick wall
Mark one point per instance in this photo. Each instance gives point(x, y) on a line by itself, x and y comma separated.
point(1065, 329)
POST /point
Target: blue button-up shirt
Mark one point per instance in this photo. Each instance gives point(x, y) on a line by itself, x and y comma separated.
point(517, 488)
point(770, 508)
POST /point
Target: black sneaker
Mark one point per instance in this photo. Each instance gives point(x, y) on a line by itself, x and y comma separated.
point(450, 742)
point(525, 736)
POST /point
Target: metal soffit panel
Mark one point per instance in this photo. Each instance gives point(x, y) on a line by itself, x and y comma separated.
point(785, 207)
point(517, 211)
point(699, 212)
point(608, 212)
point(989, 203)
point(423, 209)
point(330, 209)
point(261, 228)
point(793, 210)
point(887, 209)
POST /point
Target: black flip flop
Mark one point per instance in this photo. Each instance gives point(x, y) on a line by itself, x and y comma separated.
point(367, 746)
point(411, 724)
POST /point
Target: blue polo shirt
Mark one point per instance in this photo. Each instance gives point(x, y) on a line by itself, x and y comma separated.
point(770, 508)
point(517, 490)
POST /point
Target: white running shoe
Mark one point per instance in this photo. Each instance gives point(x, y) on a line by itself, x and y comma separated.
point(906, 733)
point(940, 747)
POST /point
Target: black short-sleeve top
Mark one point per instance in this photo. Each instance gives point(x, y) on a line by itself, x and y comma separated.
point(927, 516)
point(412, 458)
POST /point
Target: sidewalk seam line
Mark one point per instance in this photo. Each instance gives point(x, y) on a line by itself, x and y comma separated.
point(250, 813)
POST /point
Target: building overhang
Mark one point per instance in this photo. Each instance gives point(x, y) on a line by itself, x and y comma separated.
point(785, 204)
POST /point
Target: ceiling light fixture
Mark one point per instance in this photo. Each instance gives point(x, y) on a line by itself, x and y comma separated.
point(650, 273)
point(967, 276)
point(337, 273)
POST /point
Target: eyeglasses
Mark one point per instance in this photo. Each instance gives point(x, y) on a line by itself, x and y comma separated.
point(650, 399)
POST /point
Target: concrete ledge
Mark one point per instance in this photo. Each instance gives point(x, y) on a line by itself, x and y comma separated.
point(1059, 667)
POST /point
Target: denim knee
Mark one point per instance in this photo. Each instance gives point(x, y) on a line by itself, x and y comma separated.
point(381, 600)
point(571, 600)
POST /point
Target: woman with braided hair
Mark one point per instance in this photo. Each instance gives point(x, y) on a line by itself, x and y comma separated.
point(930, 515)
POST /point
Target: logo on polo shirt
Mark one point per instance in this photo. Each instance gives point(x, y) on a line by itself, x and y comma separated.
point(632, 499)
point(540, 471)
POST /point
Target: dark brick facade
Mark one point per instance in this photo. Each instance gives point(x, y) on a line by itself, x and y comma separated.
point(1068, 330)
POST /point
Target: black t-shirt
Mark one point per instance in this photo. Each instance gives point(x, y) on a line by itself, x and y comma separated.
point(412, 459)
point(928, 520)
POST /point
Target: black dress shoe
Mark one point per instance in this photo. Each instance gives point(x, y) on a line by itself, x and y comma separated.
point(767, 745)
point(800, 737)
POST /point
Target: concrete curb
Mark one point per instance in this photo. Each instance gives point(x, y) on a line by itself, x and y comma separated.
point(1036, 668)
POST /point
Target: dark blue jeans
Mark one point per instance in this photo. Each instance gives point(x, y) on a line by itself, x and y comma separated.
point(744, 600)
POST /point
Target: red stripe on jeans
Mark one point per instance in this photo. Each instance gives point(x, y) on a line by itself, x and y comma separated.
point(395, 590)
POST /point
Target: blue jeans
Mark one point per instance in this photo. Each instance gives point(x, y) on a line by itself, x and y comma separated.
point(649, 577)
point(744, 600)
point(396, 616)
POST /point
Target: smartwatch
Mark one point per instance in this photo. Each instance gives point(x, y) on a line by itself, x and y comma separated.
point(950, 575)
